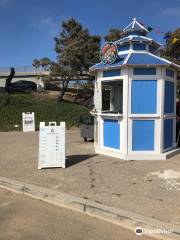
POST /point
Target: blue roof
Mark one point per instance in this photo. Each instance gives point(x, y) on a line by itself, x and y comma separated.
point(102, 65)
point(146, 58)
point(134, 59)
point(136, 38)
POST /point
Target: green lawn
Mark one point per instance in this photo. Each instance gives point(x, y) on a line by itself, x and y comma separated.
point(46, 109)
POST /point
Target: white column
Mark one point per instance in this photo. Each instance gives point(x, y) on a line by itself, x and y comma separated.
point(160, 110)
point(124, 139)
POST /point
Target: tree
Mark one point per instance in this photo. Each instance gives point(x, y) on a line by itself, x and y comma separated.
point(45, 63)
point(113, 35)
point(60, 70)
point(36, 63)
point(42, 64)
point(77, 50)
point(171, 50)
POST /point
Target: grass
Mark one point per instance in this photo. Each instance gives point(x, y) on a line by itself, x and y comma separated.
point(45, 109)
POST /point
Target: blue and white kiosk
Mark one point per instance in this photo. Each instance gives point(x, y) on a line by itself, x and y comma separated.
point(135, 99)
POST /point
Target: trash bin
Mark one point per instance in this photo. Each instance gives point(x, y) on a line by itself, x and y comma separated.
point(87, 128)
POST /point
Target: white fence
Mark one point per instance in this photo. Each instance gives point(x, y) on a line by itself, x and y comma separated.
point(23, 69)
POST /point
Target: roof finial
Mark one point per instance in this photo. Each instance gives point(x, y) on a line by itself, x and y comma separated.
point(133, 22)
point(135, 26)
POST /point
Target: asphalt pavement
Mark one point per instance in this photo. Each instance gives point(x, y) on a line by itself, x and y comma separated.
point(23, 218)
point(148, 188)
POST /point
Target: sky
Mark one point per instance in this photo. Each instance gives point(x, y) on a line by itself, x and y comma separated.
point(28, 28)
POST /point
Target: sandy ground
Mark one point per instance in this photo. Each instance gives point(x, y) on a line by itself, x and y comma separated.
point(144, 187)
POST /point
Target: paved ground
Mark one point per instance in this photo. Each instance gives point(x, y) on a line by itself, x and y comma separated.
point(144, 187)
point(24, 218)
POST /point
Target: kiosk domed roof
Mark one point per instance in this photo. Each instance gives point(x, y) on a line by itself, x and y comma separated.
point(135, 59)
point(135, 48)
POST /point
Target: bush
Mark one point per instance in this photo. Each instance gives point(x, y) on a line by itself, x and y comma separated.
point(47, 110)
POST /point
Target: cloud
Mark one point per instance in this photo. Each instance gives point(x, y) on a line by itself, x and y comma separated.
point(172, 12)
point(51, 24)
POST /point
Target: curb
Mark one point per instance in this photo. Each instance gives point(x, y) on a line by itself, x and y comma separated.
point(116, 216)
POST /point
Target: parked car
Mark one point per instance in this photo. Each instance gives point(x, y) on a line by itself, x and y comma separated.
point(22, 85)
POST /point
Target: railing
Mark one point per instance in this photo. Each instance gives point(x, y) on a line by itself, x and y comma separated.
point(24, 69)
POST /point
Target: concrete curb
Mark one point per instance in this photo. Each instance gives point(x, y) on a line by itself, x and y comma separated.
point(116, 216)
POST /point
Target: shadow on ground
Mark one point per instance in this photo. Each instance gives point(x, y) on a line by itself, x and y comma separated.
point(74, 159)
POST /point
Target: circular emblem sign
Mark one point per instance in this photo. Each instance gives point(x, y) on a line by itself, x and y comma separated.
point(109, 53)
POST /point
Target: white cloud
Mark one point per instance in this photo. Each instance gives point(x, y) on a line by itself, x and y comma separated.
point(172, 12)
point(50, 23)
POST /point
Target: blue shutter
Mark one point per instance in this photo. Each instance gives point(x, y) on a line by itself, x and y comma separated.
point(169, 73)
point(143, 135)
point(144, 71)
point(144, 96)
point(168, 133)
point(123, 47)
point(112, 73)
point(111, 133)
point(152, 49)
point(139, 46)
point(169, 97)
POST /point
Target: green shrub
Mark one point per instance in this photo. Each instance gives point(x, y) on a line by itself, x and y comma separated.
point(48, 110)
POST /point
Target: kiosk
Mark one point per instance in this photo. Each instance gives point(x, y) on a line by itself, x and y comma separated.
point(135, 98)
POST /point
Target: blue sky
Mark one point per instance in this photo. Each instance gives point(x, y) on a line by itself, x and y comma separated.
point(28, 28)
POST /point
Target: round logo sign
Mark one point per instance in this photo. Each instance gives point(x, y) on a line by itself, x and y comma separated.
point(139, 231)
point(109, 53)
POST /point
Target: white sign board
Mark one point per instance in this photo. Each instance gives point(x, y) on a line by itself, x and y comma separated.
point(28, 122)
point(51, 145)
